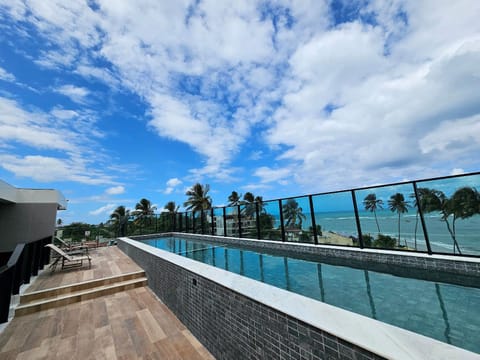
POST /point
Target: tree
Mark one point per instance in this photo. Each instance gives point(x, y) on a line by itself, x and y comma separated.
point(371, 204)
point(464, 203)
point(144, 211)
point(59, 222)
point(397, 204)
point(248, 197)
point(171, 207)
point(291, 213)
point(119, 217)
point(198, 198)
point(234, 199)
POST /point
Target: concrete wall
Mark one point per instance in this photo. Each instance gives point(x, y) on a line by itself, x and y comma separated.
point(24, 222)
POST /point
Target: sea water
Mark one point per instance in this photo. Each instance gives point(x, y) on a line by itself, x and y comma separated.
point(411, 232)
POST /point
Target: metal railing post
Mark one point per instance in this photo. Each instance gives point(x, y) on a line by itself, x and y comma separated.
point(239, 218)
point(422, 219)
point(282, 227)
point(314, 223)
point(357, 219)
point(257, 213)
point(224, 222)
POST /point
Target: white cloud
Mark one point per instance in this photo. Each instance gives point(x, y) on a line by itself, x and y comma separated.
point(6, 76)
point(115, 190)
point(49, 169)
point(342, 105)
point(268, 175)
point(172, 184)
point(75, 93)
point(104, 210)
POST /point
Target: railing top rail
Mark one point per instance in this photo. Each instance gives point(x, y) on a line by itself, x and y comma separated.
point(358, 189)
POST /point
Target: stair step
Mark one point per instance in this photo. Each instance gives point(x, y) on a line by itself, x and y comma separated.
point(69, 289)
point(80, 295)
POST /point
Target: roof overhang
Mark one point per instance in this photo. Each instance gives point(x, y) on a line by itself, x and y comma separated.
point(12, 195)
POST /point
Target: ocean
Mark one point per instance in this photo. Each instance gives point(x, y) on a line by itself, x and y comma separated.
point(343, 223)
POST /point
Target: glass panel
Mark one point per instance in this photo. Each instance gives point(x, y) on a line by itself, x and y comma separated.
point(218, 218)
point(451, 209)
point(389, 218)
point(180, 223)
point(232, 220)
point(198, 222)
point(297, 220)
point(249, 220)
point(207, 225)
point(335, 219)
point(189, 221)
point(269, 218)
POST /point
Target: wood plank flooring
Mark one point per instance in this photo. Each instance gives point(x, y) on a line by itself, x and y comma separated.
point(133, 324)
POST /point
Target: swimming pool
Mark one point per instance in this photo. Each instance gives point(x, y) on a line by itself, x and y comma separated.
point(446, 312)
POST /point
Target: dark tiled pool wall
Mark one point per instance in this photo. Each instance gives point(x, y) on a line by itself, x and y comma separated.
point(233, 326)
point(430, 264)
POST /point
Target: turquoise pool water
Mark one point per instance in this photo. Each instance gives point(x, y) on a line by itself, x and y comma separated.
point(446, 312)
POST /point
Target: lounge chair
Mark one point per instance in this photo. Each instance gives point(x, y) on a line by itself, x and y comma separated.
point(68, 260)
point(68, 246)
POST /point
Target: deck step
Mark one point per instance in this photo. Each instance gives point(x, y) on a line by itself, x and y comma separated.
point(79, 295)
point(85, 285)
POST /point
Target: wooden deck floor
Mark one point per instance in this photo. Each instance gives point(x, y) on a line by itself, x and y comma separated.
point(133, 324)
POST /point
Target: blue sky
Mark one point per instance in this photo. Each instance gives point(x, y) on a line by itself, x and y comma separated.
point(112, 101)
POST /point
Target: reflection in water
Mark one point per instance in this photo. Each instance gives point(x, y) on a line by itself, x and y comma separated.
point(260, 258)
point(444, 314)
point(320, 282)
point(369, 292)
point(287, 277)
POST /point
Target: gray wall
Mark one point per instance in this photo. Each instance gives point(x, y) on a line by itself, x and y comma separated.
point(25, 223)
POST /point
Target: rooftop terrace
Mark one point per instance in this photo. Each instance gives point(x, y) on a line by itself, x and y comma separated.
point(130, 324)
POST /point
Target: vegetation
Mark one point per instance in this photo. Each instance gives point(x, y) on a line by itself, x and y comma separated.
point(234, 199)
point(398, 204)
point(293, 213)
point(464, 203)
point(143, 212)
point(371, 203)
point(119, 219)
point(198, 198)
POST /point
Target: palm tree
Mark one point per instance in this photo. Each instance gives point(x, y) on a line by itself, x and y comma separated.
point(398, 204)
point(248, 197)
point(120, 217)
point(171, 207)
point(234, 199)
point(261, 204)
point(59, 222)
point(198, 198)
point(144, 211)
point(371, 204)
point(292, 212)
point(464, 203)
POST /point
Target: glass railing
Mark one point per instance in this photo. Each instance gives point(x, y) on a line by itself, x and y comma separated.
point(440, 216)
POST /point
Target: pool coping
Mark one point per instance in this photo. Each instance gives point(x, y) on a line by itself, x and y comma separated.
point(380, 338)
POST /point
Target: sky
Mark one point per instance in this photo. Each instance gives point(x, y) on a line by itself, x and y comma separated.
point(113, 101)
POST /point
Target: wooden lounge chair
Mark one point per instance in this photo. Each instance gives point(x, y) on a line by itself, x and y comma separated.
point(68, 260)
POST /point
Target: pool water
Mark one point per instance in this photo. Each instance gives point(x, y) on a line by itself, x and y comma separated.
point(446, 312)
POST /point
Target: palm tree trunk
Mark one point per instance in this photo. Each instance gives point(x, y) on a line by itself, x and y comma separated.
point(398, 228)
point(376, 220)
point(416, 228)
point(452, 234)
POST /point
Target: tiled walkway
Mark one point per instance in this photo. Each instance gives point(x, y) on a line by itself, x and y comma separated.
point(133, 324)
